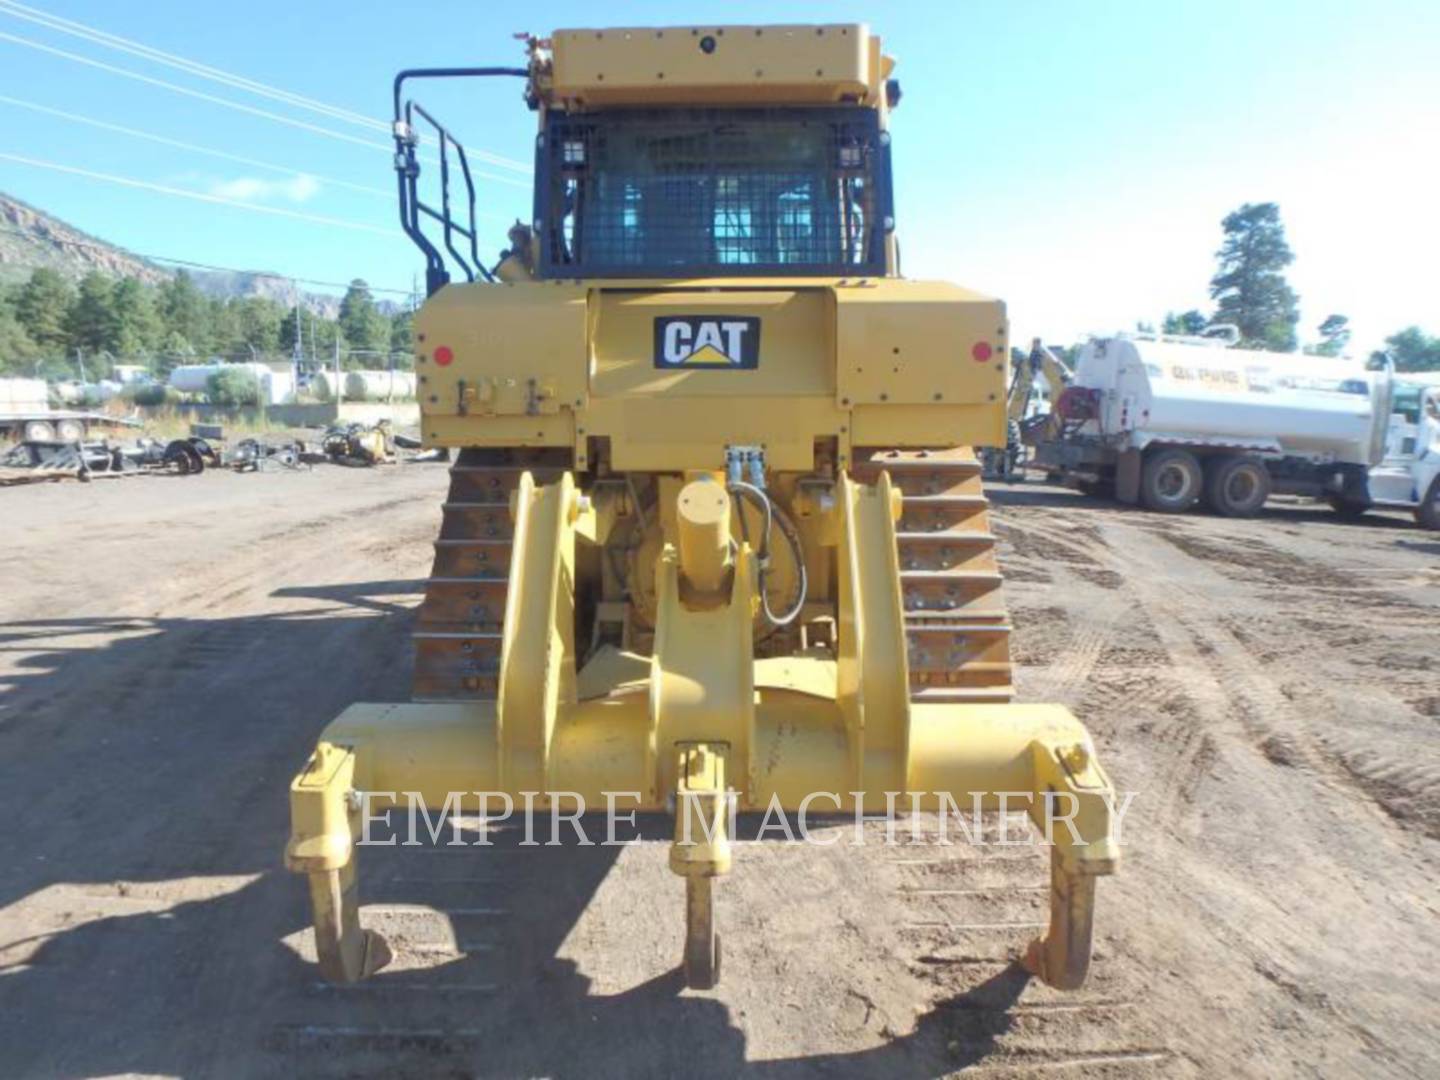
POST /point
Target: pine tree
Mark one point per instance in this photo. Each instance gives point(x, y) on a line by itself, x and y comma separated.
point(1250, 287)
point(175, 349)
point(91, 321)
point(402, 339)
point(16, 348)
point(185, 312)
point(287, 332)
point(360, 320)
point(257, 323)
point(1334, 336)
point(1414, 350)
point(41, 309)
point(137, 326)
point(1190, 322)
point(223, 326)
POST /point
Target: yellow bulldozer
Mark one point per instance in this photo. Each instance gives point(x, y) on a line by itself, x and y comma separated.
point(715, 536)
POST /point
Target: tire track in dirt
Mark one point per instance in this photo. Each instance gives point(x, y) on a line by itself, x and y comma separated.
point(1269, 683)
point(975, 907)
point(1232, 687)
point(1224, 836)
point(1076, 553)
point(970, 905)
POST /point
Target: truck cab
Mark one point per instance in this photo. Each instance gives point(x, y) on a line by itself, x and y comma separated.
point(1409, 474)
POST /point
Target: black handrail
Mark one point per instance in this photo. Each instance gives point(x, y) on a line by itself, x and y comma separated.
point(407, 172)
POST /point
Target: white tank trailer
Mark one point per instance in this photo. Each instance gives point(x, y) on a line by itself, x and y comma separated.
point(379, 385)
point(1169, 422)
point(366, 385)
point(276, 387)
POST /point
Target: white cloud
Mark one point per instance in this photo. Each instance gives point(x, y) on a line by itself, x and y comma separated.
point(300, 188)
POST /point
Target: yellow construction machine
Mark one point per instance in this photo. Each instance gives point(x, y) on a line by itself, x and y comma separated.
point(1024, 412)
point(714, 537)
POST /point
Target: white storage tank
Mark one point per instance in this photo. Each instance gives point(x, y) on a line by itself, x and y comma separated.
point(195, 378)
point(1176, 392)
point(277, 387)
point(379, 385)
point(322, 385)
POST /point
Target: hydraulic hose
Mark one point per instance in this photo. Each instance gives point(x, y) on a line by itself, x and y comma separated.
point(740, 490)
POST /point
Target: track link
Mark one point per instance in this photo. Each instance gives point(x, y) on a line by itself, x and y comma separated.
point(461, 623)
point(957, 629)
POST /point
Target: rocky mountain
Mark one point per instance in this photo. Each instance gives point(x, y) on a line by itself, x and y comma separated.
point(31, 238)
point(227, 283)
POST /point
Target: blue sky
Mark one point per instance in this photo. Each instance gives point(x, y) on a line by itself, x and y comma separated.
point(1074, 159)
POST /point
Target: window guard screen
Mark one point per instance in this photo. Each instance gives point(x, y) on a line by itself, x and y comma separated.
point(655, 193)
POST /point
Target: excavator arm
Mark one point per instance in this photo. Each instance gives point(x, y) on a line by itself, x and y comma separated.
point(1040, 361)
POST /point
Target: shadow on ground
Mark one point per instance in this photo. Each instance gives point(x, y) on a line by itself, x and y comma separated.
point(145, 913)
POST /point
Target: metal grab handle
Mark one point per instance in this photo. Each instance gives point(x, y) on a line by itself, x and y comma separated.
point(407, 173)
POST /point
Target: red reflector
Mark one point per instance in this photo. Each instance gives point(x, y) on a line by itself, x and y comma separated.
point(981, 351)
point(444, 354)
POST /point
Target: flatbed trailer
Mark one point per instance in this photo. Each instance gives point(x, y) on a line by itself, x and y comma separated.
point(64, 425)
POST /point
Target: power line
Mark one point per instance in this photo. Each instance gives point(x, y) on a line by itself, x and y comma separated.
point(164, 140)
point(197, 265)
point(273, 276)
point(114, 41)
point(236, 105)
point(173, 87)
point(146, 185)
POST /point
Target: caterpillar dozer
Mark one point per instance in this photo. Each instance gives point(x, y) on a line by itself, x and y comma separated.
point(715, 534)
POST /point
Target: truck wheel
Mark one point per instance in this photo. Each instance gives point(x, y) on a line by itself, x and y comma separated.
point(1236, 486)
point(39, 431)
point(1171, 481)
point(70, 430)
point(1349, 509)
point(183, 458)
point(1427, 514)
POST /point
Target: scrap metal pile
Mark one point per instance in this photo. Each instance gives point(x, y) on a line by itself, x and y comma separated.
point(41, 460)
point(256, 455)
point(360, 444)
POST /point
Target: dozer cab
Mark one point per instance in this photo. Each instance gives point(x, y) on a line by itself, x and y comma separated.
point(715, 536)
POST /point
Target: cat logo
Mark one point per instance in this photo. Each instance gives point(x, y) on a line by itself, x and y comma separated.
point(717, 342)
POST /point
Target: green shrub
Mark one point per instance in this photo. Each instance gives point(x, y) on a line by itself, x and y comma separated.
point(152, 394)
point(233, 386)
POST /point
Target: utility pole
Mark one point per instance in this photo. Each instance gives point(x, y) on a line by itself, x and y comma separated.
point(297, 352)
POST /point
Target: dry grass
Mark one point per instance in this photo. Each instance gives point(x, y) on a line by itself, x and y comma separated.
point(171, 423)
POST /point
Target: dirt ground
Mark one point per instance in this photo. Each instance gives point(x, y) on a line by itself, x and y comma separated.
point(171, 647)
